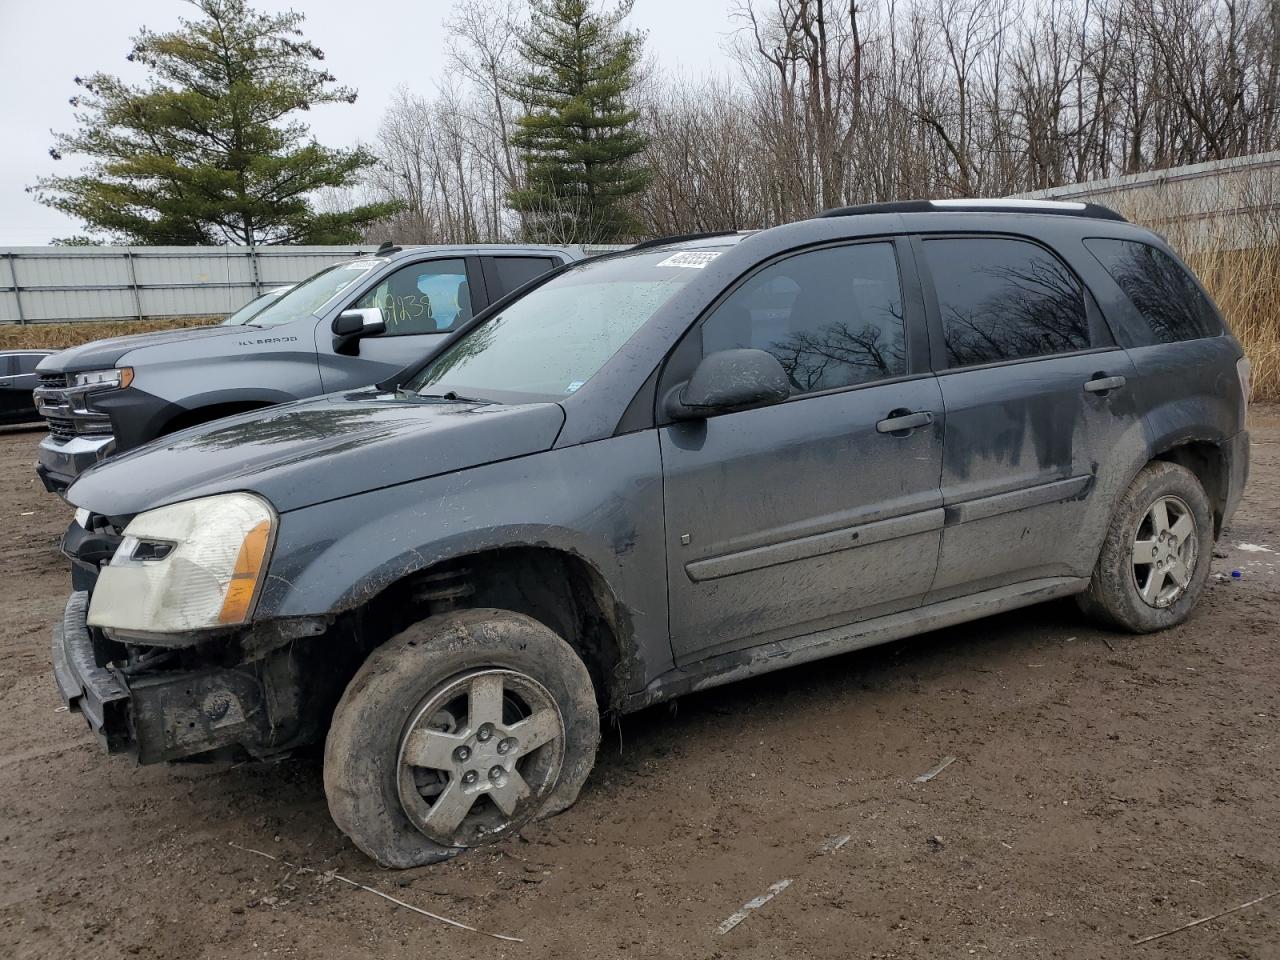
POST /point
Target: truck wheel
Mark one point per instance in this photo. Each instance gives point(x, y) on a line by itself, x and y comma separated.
point(457, 732)
point(1155, 558)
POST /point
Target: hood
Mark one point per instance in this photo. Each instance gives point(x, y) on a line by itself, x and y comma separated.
point(311, 451)
point(101, 354)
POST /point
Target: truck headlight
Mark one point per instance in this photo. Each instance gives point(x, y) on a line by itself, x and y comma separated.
point(117, 378)
point(188, 566)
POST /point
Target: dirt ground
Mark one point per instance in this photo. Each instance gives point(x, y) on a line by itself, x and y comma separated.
point(1105, 788)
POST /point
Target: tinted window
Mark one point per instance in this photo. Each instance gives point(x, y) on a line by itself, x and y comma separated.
point(27, 362)
point(1004, 299)
point(422, 297)
point(832, 317)
point(514, 272)
point(1167, 298)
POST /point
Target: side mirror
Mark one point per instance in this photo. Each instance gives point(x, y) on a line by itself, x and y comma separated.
point(350, 325)
point(730, 380)
point(359, 322)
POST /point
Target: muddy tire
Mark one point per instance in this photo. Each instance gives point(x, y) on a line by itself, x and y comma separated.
point(1155, 558)
point(457, 732)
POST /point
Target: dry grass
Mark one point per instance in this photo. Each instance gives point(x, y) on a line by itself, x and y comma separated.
point(59, 336)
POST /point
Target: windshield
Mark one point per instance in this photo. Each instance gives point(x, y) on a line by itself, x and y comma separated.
point(555, 338)
point(310, 295)
point(243, 315)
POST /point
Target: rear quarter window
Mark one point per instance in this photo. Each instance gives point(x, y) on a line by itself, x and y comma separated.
point(1169, 303)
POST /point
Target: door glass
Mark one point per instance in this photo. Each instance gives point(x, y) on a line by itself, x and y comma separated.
point(422, 297)
point(1003, 299)
point(1167, 299)
point(832, 317)
point(515, 272)
point(27, 362)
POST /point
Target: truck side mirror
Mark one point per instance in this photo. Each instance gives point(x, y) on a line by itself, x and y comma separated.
point(350, 325)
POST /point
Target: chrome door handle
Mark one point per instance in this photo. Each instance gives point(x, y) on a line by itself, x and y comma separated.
point(1104, 384)
point(904, 421)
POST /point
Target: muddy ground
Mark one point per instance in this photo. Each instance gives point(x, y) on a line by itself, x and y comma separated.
point(1106, 787)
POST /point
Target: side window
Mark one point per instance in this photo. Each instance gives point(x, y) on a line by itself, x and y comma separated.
point(1168, 300)
point(832, 317)
point(8, 365)
point(27, 362)
point(514, 272)
point(1003, 299)
point(423, 297)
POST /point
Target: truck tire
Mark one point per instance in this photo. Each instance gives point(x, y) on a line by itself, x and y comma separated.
point(1156, 555)
point(456, 733)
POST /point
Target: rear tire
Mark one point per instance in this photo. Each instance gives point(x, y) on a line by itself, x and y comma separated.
point(456, 733)
point(1155, 558)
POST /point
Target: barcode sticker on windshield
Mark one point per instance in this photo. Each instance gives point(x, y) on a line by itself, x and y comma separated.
point(694, 261)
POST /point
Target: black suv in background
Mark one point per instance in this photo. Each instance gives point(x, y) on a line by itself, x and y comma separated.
point(651, 473)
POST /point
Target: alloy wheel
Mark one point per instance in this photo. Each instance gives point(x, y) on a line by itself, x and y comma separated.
point(1165, 550)
point(479, 756)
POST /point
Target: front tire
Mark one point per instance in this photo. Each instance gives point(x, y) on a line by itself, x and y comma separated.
point(456, 733)
point(1155, 558)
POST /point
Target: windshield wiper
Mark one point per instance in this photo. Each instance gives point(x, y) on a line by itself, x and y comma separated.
point(449, 396)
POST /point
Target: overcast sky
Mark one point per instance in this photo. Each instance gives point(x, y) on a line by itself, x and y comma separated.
point(373, 47)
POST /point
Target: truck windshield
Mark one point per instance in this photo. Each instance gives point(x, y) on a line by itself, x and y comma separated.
point(245, 313)
point(312, 294)
point(556, 337)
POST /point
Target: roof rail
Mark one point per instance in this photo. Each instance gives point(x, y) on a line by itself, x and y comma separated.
point(680, 238)
point(1068, 208)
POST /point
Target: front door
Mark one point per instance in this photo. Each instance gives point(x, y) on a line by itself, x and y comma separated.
point(1040, 412)
point(824, 509)
point(419, 302)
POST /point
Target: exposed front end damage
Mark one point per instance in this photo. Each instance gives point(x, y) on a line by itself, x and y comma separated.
point(255, 691)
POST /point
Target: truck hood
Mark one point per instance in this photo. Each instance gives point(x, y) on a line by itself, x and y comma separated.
point(308, 452)
point(101, 354)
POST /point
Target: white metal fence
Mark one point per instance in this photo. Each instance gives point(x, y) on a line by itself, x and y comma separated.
point(1222, 204)
point(62, 284)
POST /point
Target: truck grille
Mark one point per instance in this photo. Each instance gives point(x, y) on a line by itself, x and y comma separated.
point(53, 380)
point(61, 429)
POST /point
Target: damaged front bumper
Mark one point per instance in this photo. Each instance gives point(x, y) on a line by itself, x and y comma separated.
point(161, 715)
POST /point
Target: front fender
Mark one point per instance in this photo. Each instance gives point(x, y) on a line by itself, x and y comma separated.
point(600, 501)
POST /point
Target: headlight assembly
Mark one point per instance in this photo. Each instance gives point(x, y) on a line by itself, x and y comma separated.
point(117, 378)
point(188, 566)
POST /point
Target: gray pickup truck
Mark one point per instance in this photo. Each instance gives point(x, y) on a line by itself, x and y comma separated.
point(351, 324)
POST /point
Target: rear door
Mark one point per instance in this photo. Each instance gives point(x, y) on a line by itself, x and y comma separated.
point(1037, 399)
point(505, 273)
point(420, 302)
point(814, 512)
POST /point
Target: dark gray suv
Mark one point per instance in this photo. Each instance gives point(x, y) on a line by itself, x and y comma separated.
point(651, 473)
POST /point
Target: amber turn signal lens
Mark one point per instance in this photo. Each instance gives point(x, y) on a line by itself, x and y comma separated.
point(235, 607)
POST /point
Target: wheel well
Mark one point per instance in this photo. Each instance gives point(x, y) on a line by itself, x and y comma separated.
point(217, 411)
point(560, 590)
point(1209, 463)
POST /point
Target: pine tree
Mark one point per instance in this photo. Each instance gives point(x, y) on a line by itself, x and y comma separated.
point(578, 138)
point(208, 150)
